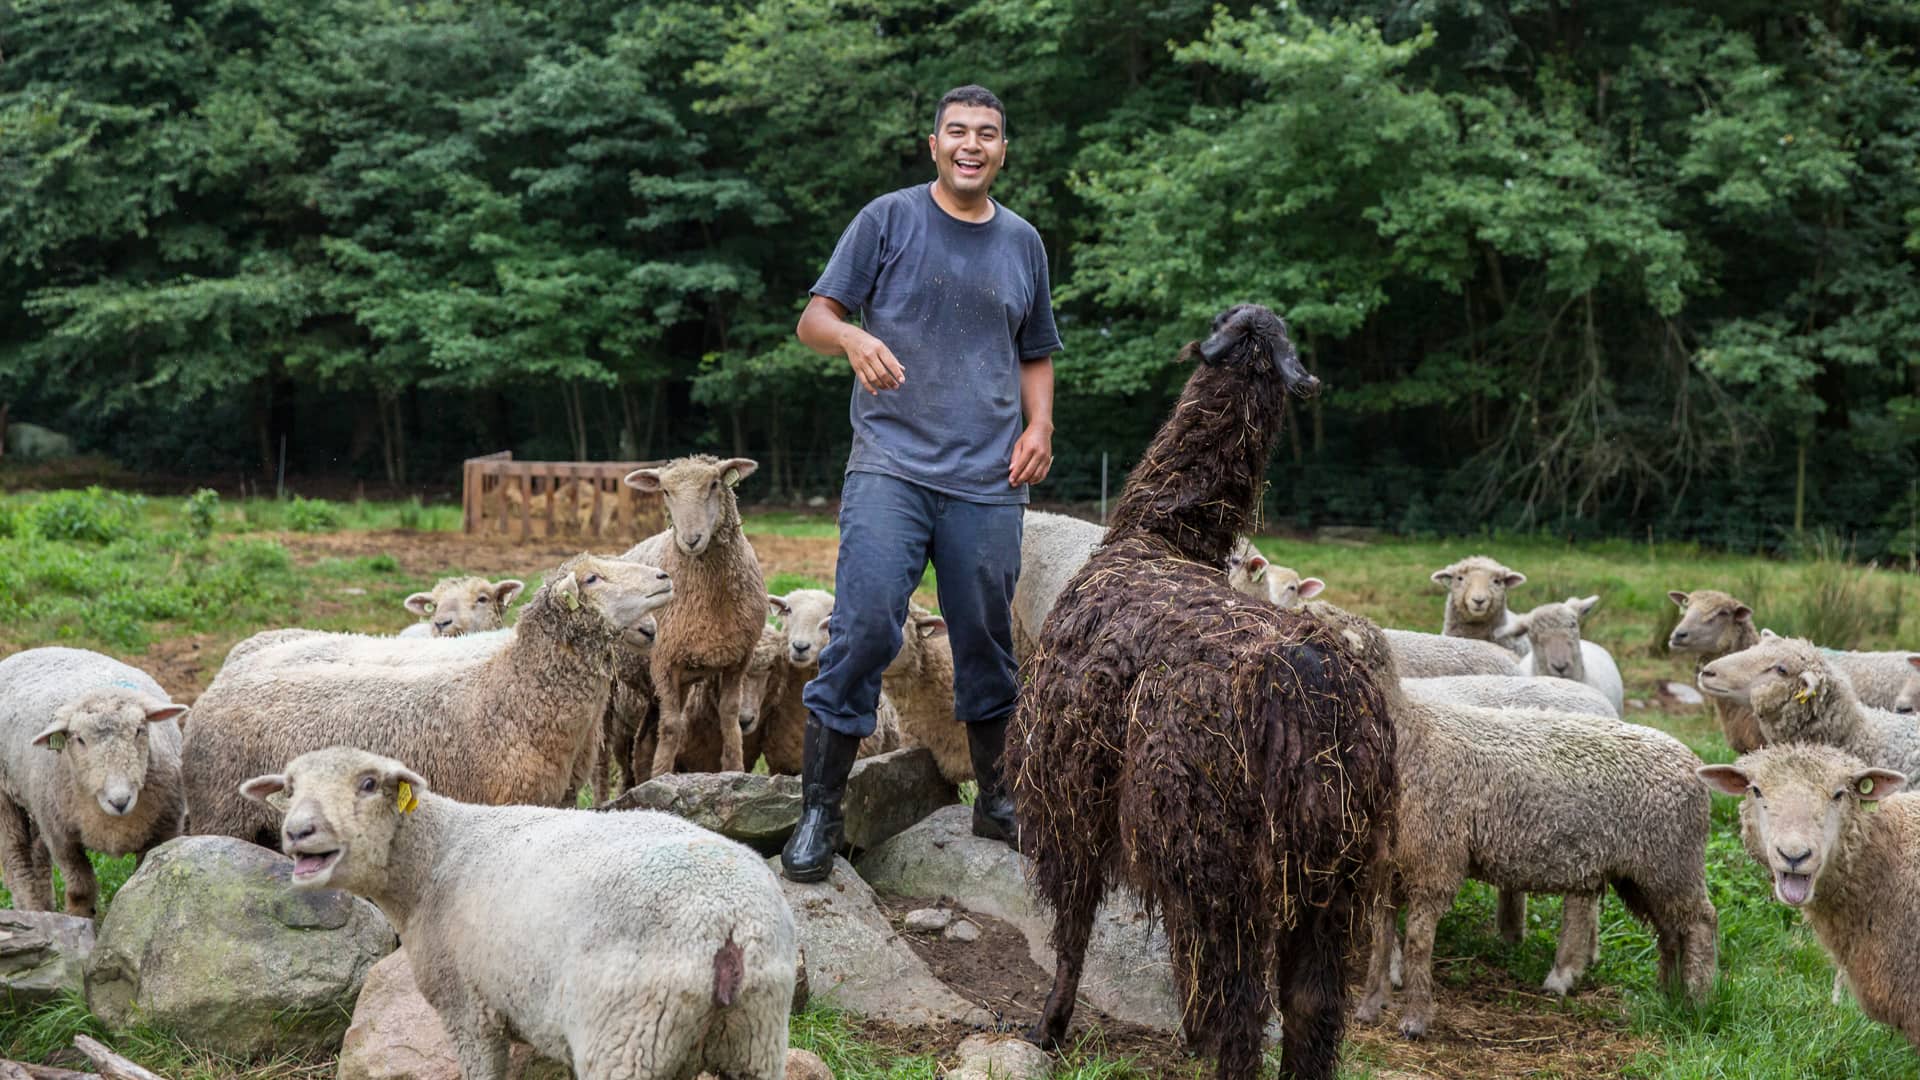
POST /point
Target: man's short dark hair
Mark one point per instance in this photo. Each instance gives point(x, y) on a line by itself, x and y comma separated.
point(970, 94)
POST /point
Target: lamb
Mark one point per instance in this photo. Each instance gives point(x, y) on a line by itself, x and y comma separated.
point(1053, 548)
point(1908, 700)
point(1536, 802)
point(710, 632)
point(1430, 656)
point(89, 761)
point(1558, 651)
point(919, 682)
point(1807, 815)
point(519, 724)
point(1714, 625)
point(631, 946)
point(1477, 599)
point(461, 605)
point(1249, 572)
point(1228, 760)
point(1513, 692)
point(1797, 695)
point(805, 614)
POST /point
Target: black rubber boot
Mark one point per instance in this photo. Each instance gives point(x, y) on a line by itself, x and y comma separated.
point(826, 759)
point(993, 806)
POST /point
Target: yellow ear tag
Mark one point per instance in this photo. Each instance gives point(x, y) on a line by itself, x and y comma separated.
point(1803, 696)
point(572, 601)
point(404, 799)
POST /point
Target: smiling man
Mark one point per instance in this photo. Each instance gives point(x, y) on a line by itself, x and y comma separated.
point(952, 419)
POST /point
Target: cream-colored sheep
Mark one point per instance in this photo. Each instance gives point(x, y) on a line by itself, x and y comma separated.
point(1908, 700)
point(1250, 573)
point(1797, 696)
point(1713, 625)
point(1844, 848)
point(1477, 599)
point(1556, 649)
point(89, 761)
point(631, 946)
point(461, 605)
point(805, 618)
point(1430, 656)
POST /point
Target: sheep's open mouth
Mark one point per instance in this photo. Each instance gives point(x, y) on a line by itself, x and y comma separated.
point(1793, 888)
point(307, 864)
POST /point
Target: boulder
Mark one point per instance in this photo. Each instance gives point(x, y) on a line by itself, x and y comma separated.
point(1000, 1057)
point(855, 962)
point(890, 793)
point(43, 955)
point(396, 1035)
point(806, 1065)
point(1128, 974)
point(208, 940)
point(758, 811)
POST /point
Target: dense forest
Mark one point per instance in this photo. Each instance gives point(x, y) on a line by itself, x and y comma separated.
point(1620, 268)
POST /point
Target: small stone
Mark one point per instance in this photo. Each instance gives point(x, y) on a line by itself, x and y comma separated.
point(1636, 703)
point(962, 931)
point(1001, 1057)
point(1683, 693)
point(817, 501)
point(806, 1065)
point(927, 921)
point(354, 590)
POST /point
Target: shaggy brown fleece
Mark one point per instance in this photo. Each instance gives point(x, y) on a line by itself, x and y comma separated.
point(1230, 761)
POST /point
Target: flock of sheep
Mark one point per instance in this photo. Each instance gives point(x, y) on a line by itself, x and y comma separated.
point(426, 771)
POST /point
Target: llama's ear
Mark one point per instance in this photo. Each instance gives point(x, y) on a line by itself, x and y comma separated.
point(1678, 597)
point(1222, 341)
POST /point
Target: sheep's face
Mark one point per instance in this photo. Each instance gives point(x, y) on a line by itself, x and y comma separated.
point(768, 655)
point(102, 739)
point(1908, 700)
point(698, 492)
point(641, 636)
point(342, 809)
point(809, 611)
point(922, 626)
point(1554, 632)
point(1252, 339)
point(466, 605)
point(1798, 800)
point(624, 593)
point(1713, 623)
point(1477, 588)
point(1249, 573)
point(1775, 670)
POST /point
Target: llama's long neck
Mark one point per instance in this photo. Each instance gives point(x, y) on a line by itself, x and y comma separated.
point(1198, 486)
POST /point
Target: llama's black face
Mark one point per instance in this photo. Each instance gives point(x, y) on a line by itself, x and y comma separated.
point(1251, 337)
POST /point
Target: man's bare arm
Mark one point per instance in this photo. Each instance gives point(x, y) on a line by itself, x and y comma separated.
point(824, 329)
point(1033, 451)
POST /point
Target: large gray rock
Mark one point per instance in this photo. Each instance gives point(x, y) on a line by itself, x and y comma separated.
point(759, 811)
point(208, 940)
point(1000, 1057)
point(1128, 973)
point(887, 794)
point(43, 955)
point(855, 962)
point(396, 1035)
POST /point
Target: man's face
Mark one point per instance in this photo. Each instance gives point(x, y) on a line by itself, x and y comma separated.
point(969, 148)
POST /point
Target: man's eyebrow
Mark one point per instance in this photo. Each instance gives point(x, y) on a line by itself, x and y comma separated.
point(952, 124)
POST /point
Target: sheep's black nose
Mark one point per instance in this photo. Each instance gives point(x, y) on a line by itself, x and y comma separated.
point(120, 804)
point(662, 575)
point(1794, 861)
point(442, 624)
point(297, 833)
point(693, 539)
point(1678, 636)
point(800, 648)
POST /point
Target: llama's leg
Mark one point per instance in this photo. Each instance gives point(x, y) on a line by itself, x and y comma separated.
point(1382, 947)
point(1226, 991)
point(1313, 991)
point(1510, 915)
point(1579, 914)
point(1424, 908)
point(1072, 925)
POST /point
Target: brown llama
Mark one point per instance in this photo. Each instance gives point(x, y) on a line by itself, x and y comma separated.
point(1230, 761)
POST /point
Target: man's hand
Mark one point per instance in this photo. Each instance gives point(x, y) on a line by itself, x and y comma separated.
point(1032, 455)
point(873, 363)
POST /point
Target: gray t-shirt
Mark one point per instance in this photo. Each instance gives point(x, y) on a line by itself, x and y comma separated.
point(961, 304)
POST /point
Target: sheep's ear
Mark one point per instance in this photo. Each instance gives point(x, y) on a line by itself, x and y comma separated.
point(1514, 579)
point(647, 480)
point(1767, 635)
point(260, 787)
point(1582, 605)
point(1914, 660)
point(1810, 681)
point(1443, 578)
point(420, 604)
point(1744, 614)
point(734, 470)
point(400, 774)
point(1725, 779)
point(1678, 597)
point(929, 625)
point(161, 712)
point(1872, 785)
point(54, 737)
point(1256, 567)
point(779, 605)
point(505, 591)
point(566, 591)
point(1311, 587)
point(1515, 626)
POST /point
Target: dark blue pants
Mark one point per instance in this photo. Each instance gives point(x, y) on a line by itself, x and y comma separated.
point(889, 529)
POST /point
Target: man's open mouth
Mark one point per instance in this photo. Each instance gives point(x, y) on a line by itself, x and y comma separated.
point(969, 165)
point(311, 864)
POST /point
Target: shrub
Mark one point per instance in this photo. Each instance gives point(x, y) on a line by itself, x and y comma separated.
point(200, 510)
point(313, 515)
point(96, 515)
point(413, 514)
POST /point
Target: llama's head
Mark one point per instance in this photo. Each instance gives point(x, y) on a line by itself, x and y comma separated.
point(1251, 338)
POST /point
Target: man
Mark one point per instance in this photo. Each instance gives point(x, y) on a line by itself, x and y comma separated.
point(955, 343)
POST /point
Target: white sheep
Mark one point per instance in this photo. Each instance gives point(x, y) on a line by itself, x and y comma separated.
point(1535, 802)
point(1797, 695)
point(1250, 573)
point(517, 724)
point(1908, 700)
point(1426, 656)
point(805, 618)
point(89, 761)
point(1477, 599)
point(1552, 632)
point(1841, 842)
point(1053, 547)
point(461, 605)
point(919, 682)
point(1714, 624)
point(1879, 678)
point(631, 946)
point(1513, 692)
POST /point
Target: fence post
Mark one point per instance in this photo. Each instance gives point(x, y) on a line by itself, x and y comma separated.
point(1103, 487)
